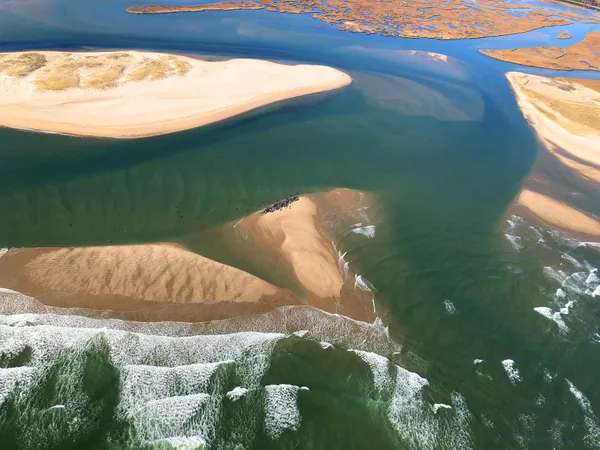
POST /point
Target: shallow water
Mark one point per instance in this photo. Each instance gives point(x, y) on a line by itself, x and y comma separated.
point(496, 321)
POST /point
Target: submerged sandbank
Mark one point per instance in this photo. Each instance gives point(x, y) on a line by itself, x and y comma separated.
point(132, 94)
point(565, 113)
point(186, 286)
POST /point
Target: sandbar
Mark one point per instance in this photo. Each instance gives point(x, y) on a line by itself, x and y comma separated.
point(436, 19)
point(558, 214)
point(583, 55)
point(144, 280)
point(131, 94)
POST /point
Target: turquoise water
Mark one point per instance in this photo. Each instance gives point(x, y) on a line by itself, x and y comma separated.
point(492, 330)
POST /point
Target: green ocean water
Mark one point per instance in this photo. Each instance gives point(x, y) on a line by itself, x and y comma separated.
point(491, 336)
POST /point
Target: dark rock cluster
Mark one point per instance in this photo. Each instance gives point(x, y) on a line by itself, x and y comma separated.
point(285, 203)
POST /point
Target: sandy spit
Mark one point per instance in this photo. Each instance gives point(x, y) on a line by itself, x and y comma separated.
point(129, 105)
point(558, 214)
point(555, 129)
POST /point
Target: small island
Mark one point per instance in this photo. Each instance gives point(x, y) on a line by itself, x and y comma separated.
point(582, 55)
point(132, 94)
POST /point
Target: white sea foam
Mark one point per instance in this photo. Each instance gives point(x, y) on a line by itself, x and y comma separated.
point(514, 222)
point(548, 376)
point(366, 230)
point(592, 438)
point(572, 260)
point(541, 401)
point(179, 443)
point(56, 407)
point(281, 409)
point(13, 378)
point(511, 370)
point(437, 406)
point(486, 421)
point(175, 416)
point(339, 330)
point(477, 361)
point(515, 241)
point(143, 384)
point(567, 308)
point(361, 283)
point(450, 308)
point(414, 420)
point(380, 368)
point(592, 278)
point(8, 291)
point(555, 316)
point(580, 397)
point(3, 252)
point(236, 393)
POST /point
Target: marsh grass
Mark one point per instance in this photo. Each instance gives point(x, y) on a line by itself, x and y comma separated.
point(580, 118)
point(158, 69)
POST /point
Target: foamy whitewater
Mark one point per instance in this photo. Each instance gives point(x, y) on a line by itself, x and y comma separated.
point(575, 280)
point(176, 388)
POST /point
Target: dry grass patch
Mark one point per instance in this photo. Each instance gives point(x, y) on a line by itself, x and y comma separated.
point(158, 69)
point(582, 117)
point(104, 80)
point(152, 69)
point(181, 67)
point(118, 56)
point(57, 79)
point(22, 65)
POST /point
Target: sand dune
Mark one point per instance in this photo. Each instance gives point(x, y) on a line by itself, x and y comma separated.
point(131, 277)
point(135, 94)
point(559, 214)
point(136, 277)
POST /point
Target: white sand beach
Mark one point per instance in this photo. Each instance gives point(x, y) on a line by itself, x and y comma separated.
point(566, 116)
point(133, 94)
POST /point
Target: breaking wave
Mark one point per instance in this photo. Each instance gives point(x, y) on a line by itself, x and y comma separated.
point(65, 378)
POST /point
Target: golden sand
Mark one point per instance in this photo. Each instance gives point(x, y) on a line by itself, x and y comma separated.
point(559, 214)
point(135, 94)
point(134, 278)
